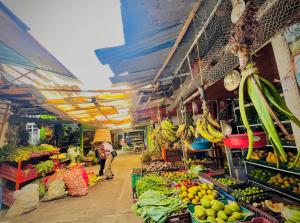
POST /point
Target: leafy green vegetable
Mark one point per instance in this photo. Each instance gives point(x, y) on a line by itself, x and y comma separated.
point(154, 206)
point(44, 167)
point(153, 182)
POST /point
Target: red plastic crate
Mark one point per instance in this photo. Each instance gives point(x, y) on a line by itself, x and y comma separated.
point(10, 173)
point(8, 197)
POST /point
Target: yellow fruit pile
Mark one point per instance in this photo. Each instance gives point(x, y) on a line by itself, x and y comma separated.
point(195, 193)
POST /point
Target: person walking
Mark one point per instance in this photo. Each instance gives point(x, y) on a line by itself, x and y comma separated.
point(100, 154)
point(110, 153)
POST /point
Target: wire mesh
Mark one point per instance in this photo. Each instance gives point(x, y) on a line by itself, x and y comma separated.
point(215, 61)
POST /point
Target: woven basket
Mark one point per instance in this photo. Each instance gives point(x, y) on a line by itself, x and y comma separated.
point(102, 135)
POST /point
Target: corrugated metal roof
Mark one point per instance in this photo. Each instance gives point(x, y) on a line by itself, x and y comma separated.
point(150, 29)
point(20, 48)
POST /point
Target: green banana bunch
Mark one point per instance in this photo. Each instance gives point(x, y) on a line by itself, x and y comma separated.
point(263, 93)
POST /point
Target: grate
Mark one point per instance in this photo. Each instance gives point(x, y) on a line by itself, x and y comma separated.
point(215, 62)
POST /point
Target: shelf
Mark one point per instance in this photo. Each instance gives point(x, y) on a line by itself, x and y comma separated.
point(278, 191)
point(284, 146)
point(273, 168)
point(258, 124)
point(199, 151)
point(246, 105)
point(251, 104)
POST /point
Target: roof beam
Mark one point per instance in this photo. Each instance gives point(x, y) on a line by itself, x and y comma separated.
point(178, 40)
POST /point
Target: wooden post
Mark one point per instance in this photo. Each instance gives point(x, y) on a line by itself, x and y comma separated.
point(288, 80)
point(81, 139)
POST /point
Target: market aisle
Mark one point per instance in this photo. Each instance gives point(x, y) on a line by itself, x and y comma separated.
point(107, 202)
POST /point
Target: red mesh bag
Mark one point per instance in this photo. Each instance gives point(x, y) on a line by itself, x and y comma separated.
point(75, 182)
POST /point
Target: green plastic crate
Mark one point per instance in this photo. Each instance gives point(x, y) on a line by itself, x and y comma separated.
point(248, 213)
point(134, 178)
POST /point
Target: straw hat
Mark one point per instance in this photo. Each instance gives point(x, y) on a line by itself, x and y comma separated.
point(102, 135)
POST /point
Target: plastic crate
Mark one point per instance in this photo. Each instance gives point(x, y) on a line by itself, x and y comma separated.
point(8, 197)
point(183, 217)
point(259, 220)
point(134, 178)
point(10, 173)
point(247, 212)
point(264, 195)
point(171, 155)
point(260, 213)
point(223, 186)
point(226, 195)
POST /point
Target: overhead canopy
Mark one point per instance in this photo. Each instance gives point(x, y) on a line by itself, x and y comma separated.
point(31, 77)
point(18, 47)
point(150, 30)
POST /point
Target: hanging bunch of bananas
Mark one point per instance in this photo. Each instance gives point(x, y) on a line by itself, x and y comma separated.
point(263, 93)
point(185, 131)
point(207, 128)
point(163, 133)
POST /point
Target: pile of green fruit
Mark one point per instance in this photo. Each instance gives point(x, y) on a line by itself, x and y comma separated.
point(13, 153)
point(226, 181)
point(179, 175)
point(250, 194)
point(261, 174)
point(44, 167)
point(217, 211)
point(195, 193)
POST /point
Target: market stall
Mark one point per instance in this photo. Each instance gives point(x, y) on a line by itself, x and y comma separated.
point(235, 107)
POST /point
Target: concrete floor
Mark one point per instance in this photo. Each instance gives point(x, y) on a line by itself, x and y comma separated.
point(106, 202)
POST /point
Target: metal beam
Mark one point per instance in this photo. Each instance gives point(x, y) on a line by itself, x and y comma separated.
point(178, 40)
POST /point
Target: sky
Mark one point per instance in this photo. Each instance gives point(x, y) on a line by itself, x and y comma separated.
point(72, 30)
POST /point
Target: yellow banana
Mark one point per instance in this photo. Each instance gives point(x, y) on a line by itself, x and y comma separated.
point(214, 132)
point(204, 133)
point(213, 121)
point(192, 129)
point(180, 130)
point(187, 145)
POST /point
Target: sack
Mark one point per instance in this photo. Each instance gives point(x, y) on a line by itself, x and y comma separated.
point(56, 190)
point(114, 153)
point(76, 181)
point(26, 199)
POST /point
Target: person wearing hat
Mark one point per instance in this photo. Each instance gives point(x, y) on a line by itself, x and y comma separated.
point(100, 153)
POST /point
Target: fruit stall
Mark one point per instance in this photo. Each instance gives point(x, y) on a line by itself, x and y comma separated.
point(226, 148)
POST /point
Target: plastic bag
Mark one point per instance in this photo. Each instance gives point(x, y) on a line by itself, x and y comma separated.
point(56, 190)
point(26, 199)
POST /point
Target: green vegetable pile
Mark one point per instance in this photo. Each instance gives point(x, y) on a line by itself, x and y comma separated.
point(291, 214)
point(44, 167)
point(18, 153)
point(14, 153)
point(226, 181)
point(44, 147)
point(261, 174)
point(250, 194)
point(154, 206)
point(153, 182)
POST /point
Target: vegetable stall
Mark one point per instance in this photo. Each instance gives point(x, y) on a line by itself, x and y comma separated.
point(227, 143)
